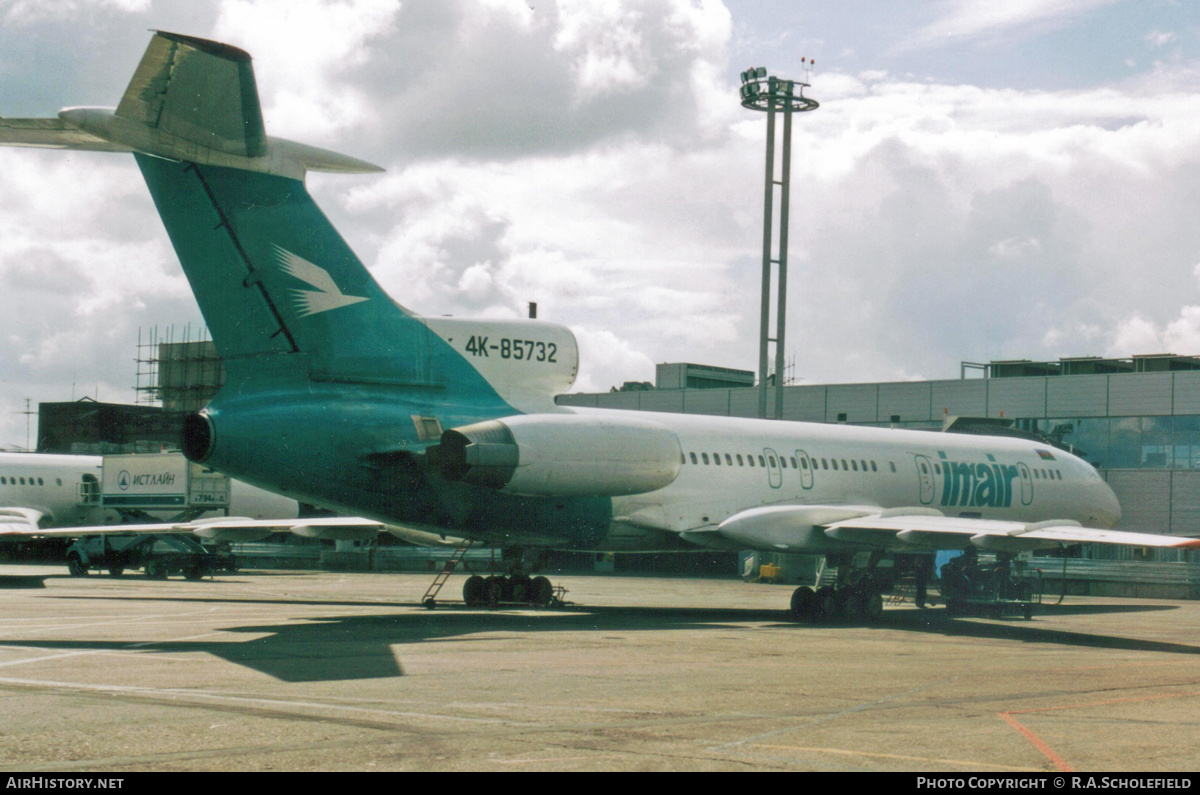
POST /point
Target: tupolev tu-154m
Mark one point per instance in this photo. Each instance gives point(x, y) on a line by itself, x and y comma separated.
point(338, 396)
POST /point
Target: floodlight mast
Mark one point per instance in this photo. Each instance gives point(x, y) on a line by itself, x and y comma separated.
point(771, 94)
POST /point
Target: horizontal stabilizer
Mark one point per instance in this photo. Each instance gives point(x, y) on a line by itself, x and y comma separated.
point(53, 134)
point(191, 100)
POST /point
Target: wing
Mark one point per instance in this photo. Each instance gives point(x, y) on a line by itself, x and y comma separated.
point(19, 521)
point(224, 528)
point(819, 528)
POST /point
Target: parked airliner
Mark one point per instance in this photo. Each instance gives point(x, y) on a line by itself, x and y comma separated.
point(338, 396)
point(50, 495)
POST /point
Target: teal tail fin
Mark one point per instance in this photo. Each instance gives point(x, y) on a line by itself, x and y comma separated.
point(274, 278)
point(281, 292)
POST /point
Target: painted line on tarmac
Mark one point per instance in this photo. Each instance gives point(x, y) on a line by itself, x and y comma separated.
point(199, 697)
point(899, 757)
point(85, 652)
point(832, 716)
point(108, 622)
point(1044, 748)
point(1038, 743)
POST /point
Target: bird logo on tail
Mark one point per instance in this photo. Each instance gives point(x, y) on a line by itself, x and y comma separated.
point(327, 294)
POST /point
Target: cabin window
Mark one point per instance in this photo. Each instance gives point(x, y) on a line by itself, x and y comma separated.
point(804, 463)
point(22, 481)
point(794, 466)
point(729, 459)
point(824, 464)
point(704, 457)
point(717, 459)
point(1058, 472)
point(1037, 475)
point(864, 466)
point(762, 462)
point(844, 467)
point(771, 458)
point(751, 459)
point(873, 469)
point(741, 461)
point(924, 469)
point(40, 483)
point(693, 455)
point(59, 481)
point(854, 464)
point(783, 462)
point(937, 469)
point(892, 464)
point(834, 463)
point(3, 481)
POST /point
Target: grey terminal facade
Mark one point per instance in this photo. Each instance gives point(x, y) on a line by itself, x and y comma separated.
point(1136, 420)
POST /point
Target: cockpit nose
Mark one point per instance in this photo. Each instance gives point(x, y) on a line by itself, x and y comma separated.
point(1106, 506)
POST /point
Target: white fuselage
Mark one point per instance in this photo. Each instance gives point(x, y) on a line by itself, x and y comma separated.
point(65, 489)
point(733, 464)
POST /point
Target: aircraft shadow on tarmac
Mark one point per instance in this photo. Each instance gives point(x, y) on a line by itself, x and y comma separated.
point(361, 647)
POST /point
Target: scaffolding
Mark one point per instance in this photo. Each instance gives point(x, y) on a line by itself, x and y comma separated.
point(175, 370)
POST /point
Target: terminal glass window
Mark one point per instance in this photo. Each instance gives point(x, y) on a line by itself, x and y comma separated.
point(1187, 442)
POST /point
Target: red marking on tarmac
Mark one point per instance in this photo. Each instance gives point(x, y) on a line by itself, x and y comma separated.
point(1046, 750)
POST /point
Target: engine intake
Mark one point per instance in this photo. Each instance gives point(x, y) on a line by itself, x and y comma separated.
point(567, 455)
point(197, 437)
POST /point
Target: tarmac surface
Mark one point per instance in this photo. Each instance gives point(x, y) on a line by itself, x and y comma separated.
point(297, 671)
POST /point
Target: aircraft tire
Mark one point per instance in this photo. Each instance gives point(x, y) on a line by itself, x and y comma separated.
point(474, 591)
point(155, 570)
point(542, 593)
point(116, 571)
point(193, 571)
point(828, 608)
point(804, 603)
point(76, 567)
point(496, 588)
point(521, 587)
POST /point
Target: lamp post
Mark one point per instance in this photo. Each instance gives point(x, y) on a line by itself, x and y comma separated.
point(771, 94)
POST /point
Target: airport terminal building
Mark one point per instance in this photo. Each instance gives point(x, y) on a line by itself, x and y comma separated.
point(1136, 420)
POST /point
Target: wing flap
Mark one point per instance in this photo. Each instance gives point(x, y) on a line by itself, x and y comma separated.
point(943, 531)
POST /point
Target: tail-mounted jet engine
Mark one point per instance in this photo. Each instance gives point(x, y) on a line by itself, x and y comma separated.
point(561, 455)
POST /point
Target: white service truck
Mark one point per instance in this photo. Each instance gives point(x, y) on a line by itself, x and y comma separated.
point(157, 487)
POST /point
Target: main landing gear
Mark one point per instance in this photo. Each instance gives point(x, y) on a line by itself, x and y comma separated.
point(514, 588)
point(857, 597)
point(495, 589)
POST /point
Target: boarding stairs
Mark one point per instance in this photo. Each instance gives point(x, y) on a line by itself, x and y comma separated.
point(449, 568)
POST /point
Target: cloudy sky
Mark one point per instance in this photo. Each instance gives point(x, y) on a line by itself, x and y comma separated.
point(982, 180)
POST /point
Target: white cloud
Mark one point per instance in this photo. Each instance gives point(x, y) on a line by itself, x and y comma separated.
point(1160, 38)
point(29, 12)
point(303, 51)
point(959, 20)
